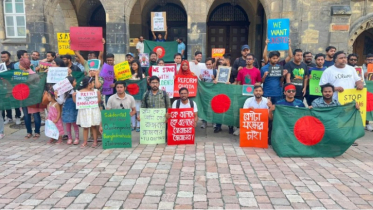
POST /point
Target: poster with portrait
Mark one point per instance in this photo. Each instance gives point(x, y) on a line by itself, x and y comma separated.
point(223, 74)
point(144, 59)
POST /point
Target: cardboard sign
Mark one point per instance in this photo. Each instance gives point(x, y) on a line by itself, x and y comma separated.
point(86, 100)
point(86, 38)
point(94, 64)
point(51, 130)
point(63, 40)
point(116, 125)
point(43, 66)
point(254, 128)
point(166, 75)
point(133, 42)
point(207, 73)
point(56, 74)
point(122, 71)
point(223, 74)
point(217, 52)
point(359, 96)
point(370, 68)
point(144, 59)
point(275, 71)
point(247, 90)
point(315, 88)
point(196, 69)
point(153, 126)
point(278, 34)
point(180, 126)
point(159, 21)
point(107, 73)
point(190, 82)
point(62, 86)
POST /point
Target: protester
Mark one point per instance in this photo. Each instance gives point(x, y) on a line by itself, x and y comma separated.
point(352, 59)
point(290, 100)
point(330, 51)
point(241, 62)
point(35, 56)
point(197, 57)
point(181, 47)
point(307, 59)
point(137, 74)
point(91, 55)
point(54, 115)
point(153, 62)
point(297, 74)
point(368, 60)
point(320, 59)
point(67, 59)
point(249, 74)
point(140, 45)
point(160, 62)
point(20, 54)
point(159, 37)
point(327, 97)
point(5, 58)
point(177, 59)
point(129, 58)
point(183, 103)
point(282, 62)
point(50, 57)
point(155, 98)
point(185, 69)
point(209, 66)
point(110, 61)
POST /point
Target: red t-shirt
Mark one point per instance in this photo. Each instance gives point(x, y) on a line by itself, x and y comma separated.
point(249, 76)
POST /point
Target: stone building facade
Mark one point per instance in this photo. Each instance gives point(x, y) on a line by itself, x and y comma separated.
point(345, 24)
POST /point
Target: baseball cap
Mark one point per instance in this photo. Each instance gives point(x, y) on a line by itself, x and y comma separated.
point(245, 47)
point(129, 54)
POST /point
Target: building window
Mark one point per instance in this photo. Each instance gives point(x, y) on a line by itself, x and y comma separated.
point(15, 19)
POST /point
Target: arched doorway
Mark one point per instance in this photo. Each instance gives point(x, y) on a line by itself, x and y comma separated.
point(363, 45)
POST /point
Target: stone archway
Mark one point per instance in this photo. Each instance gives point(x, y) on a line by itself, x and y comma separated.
point(362, 24)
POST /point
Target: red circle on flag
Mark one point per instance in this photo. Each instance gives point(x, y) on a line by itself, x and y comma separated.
point(92, 64)
point(249, 89)
point(160, 51)
point(21, 92)
point(309, 130)
point(133, 89)
point(220, 103)
point(369, 102)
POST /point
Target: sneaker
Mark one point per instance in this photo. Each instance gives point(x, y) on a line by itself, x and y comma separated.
point(2, 136)
point(204, 125)
point(65, 137)
point(355, 144)
point(236, 132)
point(214, 125)
point(7, 121)
point(217, 130)
point(369, 127)
point(230, 130)
point(132, 129)
point(42, 122)
point(18, 121)
point(137, 129)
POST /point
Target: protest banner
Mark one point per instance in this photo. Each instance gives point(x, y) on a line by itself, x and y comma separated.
point(122, 71)
point(315, 88)
point(196, 69)
point(359, 96)
point(254, 128)
point(94, 64)
point(275, 71)
point(86, 100)
point(278, 34)
point(51, 130)
point(43, 66)
point(63, 40)
point(217, 52)
point(56, 74)
point(107, 73)
point(153, 126)
point(370, 68)
point(159, 21)
point(86, 38)
point(166, 75)
point(223, 74)
point(164, 50)
point(207, 73)
point(116, 126)
point(144, 59)
point(180, 126)
point(190, 82)
point(247, 90)
point(62, 86)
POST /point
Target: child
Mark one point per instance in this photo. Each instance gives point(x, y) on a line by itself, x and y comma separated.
point(54, 114)
point(90, 117)
point(137, 74)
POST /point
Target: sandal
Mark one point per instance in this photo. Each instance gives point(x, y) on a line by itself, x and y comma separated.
point(51, 141)
point(76, 141)
point(29, 135)
point(36, 136)
point(69, 141)
point(94, 145)
point(83, 145)
point(59, 141)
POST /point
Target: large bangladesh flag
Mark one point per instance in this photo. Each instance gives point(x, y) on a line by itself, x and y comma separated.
point(164, 50)
point(317, 132)
point(136, 88)
point(369, 100)
point(220, 103)
point(20, 89)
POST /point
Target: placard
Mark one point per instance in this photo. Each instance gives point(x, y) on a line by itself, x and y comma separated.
point(144, 59)
point(254, 128)
point(62, 86)
point(248, 90)
point(107, 73)
point(196, 69)
point(158, 21)
point(63, 40)
point(360, 73)
point(278, 34)
point(172, 64)
point(207, 73)
point(359, 96)
point(133, 42)
point(370, 77)
point(51, 130)
point(275, 71)
point(3, 67)
point(217, 52)
point(86, 100)
point(122, 71)
point(370, 68)
point(315, 88)
point(56, 74)
point(116, 126)
point(86, 38)
point(43, 66)
point(94, 64)
point(153, 126)
point(166, 76)
point(180, 126)
point(190, 82)
point(223, 74)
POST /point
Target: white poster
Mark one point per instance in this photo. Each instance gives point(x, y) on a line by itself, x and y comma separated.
point(51, 130)
point(86, 100)
point(196, 69)
point(62, 86)
point(3, 67)
point(158, 22)
point(56, 74)
point(166, 75)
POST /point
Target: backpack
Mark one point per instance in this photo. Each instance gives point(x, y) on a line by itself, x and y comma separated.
point(179, 101)
point(147, 96)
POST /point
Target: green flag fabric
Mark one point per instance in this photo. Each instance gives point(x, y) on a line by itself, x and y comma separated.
point(220, 103)
point(20, 89)
point(164, 50)
point(136, 88)
point(78, 75)
point(316, 132)
point(369, 100)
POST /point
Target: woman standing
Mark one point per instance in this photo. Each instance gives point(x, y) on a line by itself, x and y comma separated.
point(137, 74)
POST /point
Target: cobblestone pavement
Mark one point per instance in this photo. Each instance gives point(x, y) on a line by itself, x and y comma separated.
point(213, 173)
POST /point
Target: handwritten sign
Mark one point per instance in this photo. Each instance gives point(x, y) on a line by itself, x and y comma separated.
point(43, 66)
point(122, 71)
point(247, 90)
point(159, 22)
point(196, 69)
point(63, 40)
point(275, 71)
point(116, 125)
point(254, 128)
point(56, 74)
point(180, 126)
point(144, 59)
point(278, 34)
point(153, 126)
point(359, 96)
point(166, 75)
point(62, 86)
point(190, 82)
point(223, 74)
point(86, 38)
point(107, 73)
point(315, 88)
point(217, 52)
point(51, 130)
point(94, 64)
point(207, 73)
point(86, 100)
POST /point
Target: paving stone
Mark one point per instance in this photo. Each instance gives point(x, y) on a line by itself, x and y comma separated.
point(74, 193)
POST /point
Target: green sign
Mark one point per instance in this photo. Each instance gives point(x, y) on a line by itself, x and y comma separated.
point(153, 126)
point(315, 88)
point(116, 125)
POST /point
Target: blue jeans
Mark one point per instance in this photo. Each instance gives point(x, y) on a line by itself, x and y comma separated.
point(1, 125)
point(37, 121)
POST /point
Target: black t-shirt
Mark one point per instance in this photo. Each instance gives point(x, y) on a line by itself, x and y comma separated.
point(10, 66)
point(297, 75)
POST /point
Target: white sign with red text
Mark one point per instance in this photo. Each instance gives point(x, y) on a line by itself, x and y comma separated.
point(86, 100)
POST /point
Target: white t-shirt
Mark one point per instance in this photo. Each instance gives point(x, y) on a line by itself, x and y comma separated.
point(140, 45)
point(340, 77)
point(251, 102)
point(185, 105)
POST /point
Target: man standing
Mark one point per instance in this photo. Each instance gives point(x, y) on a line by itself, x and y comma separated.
point(159, 37)
point(197, 57)
point(183, 103)
point(5, 58)
point(297, 74)
point(320, 59)
point(68, 62)
point(180, 46)
point(307, 59)
point(352, 59)
point(290, 100)
point(368, 60)
point(140, 45)
point(282, 62)
point(20, 54)
point(155, 98)
point(35, 56)
point(249, 74)
point(330, 51)
point(177, 59)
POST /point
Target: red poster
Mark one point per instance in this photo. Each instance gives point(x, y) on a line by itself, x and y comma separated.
point(86, 38)
point(180, 126)
point(254, 128)
point(190, 82)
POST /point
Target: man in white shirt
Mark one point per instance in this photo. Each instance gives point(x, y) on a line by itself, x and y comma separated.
point(140, 45)
point(184, 102)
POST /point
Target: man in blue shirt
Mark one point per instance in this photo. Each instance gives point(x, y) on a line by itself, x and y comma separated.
point(181, 47)
point(290, 100)
point(327, 97)
point(330, 51)
point(319, 59)
point(20, 54)
point(159, 37)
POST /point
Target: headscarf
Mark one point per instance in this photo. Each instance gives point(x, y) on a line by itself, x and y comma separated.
point(187, 72)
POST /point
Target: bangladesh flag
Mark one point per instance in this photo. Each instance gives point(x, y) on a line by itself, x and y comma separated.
point(78, 75)
point(316, 132)
point(20, 89)
point(220, 103)
point(369, 100)
point(136, 88)
point(164, 50)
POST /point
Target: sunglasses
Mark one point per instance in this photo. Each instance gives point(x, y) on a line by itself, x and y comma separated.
point(290, 91)
point(121, 105)
point(353, 59)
